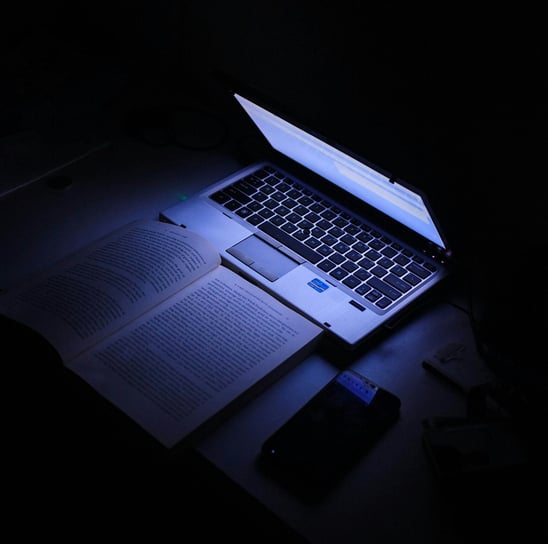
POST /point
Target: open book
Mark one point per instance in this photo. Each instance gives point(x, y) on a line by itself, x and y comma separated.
point(152, 320)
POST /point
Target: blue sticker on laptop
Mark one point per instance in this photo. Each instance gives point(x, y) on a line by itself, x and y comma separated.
point(318, 284)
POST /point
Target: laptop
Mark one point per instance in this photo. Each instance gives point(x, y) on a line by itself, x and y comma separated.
point(325, 231)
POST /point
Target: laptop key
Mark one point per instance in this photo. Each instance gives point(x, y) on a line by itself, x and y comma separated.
point(326, 265)
point(220, 196)
point(237, 195)
point(232, 205)
point(412, 279)
point(384, 288)
point(290, 242)
point(244, 212)
point(383, 303)
point(396, 282)
point(338, 273)
point(418, 270)
point(255, 219)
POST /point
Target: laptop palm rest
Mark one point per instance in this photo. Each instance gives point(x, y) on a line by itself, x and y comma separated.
point(262, 257)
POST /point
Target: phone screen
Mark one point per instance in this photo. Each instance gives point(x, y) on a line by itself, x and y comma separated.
point(310, 451)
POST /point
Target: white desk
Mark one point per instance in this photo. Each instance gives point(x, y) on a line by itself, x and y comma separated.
point(391, 494)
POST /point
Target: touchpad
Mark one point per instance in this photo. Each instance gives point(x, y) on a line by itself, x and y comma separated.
point(262, 257)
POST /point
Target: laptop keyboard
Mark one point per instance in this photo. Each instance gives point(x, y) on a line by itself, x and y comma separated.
point(360, 257)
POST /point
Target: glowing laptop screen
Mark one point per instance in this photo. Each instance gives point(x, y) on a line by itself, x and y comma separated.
point(364, 182)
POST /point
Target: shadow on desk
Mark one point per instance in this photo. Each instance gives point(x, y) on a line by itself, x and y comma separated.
point(74, 460)
point(64, 444)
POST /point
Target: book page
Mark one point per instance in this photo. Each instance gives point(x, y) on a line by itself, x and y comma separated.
point(178, 366)
point(94, 292)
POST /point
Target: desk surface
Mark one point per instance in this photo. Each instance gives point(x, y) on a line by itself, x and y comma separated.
point(390, 495)
point(391, 491)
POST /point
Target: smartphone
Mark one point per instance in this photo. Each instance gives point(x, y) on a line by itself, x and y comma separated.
point(313, 449)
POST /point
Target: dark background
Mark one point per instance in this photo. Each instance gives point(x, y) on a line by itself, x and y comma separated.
point(450, 99)
point(453, 100)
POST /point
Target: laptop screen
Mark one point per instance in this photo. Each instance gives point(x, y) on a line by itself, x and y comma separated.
point(394, 199)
